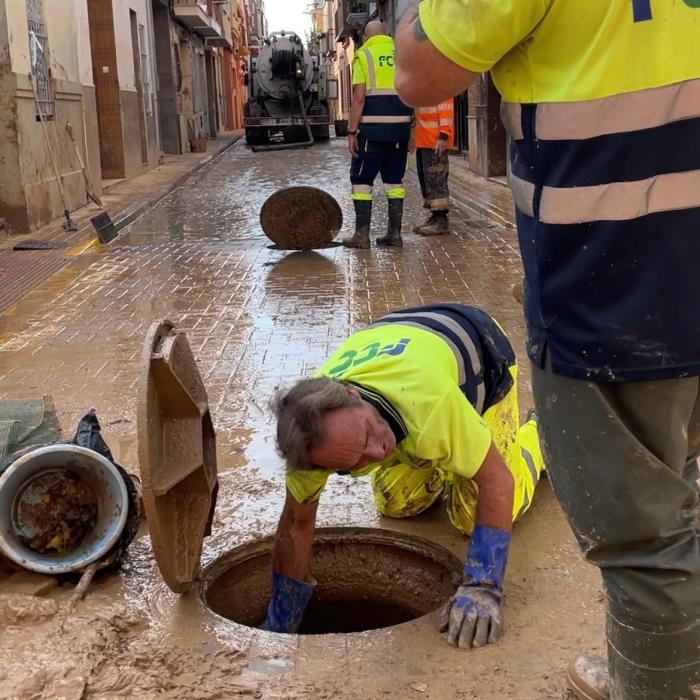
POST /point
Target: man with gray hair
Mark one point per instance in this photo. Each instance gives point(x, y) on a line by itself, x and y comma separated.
point(426, 400)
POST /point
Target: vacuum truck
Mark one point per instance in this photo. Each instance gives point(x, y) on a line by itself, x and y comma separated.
point(288, 94)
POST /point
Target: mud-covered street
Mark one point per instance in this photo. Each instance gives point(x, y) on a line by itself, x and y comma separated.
point(257, 318)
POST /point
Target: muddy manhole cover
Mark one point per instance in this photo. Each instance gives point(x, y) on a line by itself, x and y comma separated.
point(367, 579)
point(301, 218)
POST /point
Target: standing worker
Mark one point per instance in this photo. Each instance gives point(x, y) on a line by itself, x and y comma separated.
point(380, 129)
point(602, 103)
point(434, 139)
point(426, 400)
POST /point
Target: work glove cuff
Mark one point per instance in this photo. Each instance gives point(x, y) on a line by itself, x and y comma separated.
point(487, 557)
point(494, 593)
point(290, 596)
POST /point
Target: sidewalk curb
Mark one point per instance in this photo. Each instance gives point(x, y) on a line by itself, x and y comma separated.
point(176, 184)
point(131, 217)
point(35, 268)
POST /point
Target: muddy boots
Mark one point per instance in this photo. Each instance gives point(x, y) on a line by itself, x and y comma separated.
point(656, 663)
point(363, 219)
point(436, 225)
point(588, 678)
point(393, 234)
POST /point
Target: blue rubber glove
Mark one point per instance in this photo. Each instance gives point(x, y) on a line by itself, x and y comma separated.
point(472, 618)
point(290, 596)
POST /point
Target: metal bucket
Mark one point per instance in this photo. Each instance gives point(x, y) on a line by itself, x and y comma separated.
point(96, 471)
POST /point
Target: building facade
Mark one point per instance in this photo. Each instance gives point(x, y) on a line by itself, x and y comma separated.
point(335, 54)
point(122, 51)
point(202, 46)
point(133, 78)
point(257, 24)
point(43, 40)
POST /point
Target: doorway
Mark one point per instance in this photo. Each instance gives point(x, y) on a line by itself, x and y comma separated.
point(104, 66)
point(139, 85)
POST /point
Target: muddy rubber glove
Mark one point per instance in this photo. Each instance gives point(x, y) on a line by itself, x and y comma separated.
point(290, 596)
point(472, 618)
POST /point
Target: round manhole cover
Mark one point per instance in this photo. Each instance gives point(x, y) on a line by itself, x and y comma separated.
point(301, 218)
point(366, 579)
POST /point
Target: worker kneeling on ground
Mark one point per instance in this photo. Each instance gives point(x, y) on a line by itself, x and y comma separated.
point(425, 399)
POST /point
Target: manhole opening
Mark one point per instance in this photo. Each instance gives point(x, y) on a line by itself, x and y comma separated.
point(366, 579)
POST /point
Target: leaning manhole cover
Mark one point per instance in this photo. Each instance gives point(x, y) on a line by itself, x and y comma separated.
point(301, 218)
point(366, 579)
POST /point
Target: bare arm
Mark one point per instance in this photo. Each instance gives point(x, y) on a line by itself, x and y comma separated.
point(291, 555)
point(496, 492)
point(424, 77)
point(358, 105)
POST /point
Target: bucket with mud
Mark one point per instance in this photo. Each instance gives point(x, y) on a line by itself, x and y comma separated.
point(62, 507)
point(366, 579)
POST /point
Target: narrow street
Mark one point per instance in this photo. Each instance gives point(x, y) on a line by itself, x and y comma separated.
point(257, 318)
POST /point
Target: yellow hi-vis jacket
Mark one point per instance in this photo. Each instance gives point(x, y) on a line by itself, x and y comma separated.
point(444, 378)
point(385, 117)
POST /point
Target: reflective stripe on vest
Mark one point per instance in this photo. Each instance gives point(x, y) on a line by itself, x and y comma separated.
point(608, 199)
point(570, 124)
point(434, 122)
point(384, 117)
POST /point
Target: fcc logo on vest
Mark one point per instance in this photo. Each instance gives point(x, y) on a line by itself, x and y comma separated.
point(642, 9)
point(389, 60)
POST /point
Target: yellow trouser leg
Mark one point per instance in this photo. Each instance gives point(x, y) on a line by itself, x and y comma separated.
point(520, 449)
point(402, 491)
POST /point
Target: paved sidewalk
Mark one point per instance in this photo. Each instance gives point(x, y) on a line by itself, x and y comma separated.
point(23, 271)
point(484, 200)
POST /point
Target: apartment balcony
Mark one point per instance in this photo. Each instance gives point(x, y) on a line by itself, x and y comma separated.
point(221, 23)
point(193, 15)
point(350, 17)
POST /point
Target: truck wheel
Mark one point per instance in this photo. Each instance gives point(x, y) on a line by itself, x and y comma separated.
point(321, 132)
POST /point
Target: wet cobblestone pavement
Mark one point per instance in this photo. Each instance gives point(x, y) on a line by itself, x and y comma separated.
point(256, 318)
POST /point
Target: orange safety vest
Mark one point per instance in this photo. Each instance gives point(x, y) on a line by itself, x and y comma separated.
point(432, 121)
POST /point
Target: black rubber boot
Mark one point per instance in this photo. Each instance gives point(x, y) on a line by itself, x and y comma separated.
point(393, 234)
point(656, 663)
point(363, 219)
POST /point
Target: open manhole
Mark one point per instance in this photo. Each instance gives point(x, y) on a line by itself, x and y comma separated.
point(366, 579)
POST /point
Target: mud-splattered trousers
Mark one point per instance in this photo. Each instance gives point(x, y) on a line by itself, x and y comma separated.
point(433, 173)
point(623, 462)
point(402, 491)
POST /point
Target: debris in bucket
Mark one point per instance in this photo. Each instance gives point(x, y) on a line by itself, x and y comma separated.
point(55, 511)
